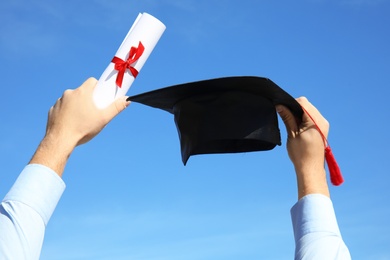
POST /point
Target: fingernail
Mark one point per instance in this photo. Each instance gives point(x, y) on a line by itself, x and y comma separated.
point(127, 99)
point(279, 109)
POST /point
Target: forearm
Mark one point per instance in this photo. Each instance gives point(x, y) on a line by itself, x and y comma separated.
point(53, 152)
point(316, 232)
point(26, 210)
point(312, 181)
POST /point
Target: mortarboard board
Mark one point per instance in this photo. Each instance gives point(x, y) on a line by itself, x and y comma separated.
point(223, 115)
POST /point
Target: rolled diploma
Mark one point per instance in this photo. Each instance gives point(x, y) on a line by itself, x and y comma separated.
point(146, 29)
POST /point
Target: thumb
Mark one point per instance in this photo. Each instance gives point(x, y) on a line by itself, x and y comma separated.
point(288, 120)
point(115, 108)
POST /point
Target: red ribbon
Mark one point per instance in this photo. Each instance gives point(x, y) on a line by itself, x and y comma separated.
point(120, 65)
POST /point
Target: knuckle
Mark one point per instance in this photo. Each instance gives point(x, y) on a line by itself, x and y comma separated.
point(67, 92)
point(91, 81)
point(302, 100)
point(326, 123)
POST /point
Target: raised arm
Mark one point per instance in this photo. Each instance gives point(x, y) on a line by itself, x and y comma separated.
point(28, 206)
point(316, 232)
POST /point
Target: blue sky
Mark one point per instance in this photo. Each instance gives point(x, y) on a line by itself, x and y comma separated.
point(128, 194)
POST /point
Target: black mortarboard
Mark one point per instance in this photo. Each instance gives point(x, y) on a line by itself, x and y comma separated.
point(224, 115)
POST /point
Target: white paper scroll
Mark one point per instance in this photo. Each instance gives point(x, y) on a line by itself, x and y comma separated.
point(147, 30)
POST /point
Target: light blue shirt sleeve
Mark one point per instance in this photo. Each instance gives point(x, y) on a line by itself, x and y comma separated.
point(316, 232)
point(26, 210)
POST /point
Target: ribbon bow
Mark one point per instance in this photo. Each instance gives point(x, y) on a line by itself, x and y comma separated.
point(120, 65)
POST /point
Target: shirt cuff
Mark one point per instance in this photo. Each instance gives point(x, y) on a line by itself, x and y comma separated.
point(38, 187)
point(313, 213)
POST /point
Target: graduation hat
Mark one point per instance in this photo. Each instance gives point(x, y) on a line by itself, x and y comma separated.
point(223, 115)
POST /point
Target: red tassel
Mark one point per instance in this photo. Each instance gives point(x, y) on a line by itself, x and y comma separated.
point(335, 174)
point(334, 170)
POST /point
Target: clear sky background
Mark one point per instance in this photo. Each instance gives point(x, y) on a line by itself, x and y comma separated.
point(128, 194)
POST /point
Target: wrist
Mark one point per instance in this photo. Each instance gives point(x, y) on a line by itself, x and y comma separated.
point(312, 181)
point(53, 152)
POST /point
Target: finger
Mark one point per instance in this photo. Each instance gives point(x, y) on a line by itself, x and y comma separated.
point(115, 108)
point(87, 86)
point(312, 110)
point(288, 120)
point(90, 83)
point(312, 116)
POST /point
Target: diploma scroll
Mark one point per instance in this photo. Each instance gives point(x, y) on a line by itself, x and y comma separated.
point(128, 60)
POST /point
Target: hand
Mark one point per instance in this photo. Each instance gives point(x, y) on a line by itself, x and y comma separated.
point(305, 147)
point(73, 120)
